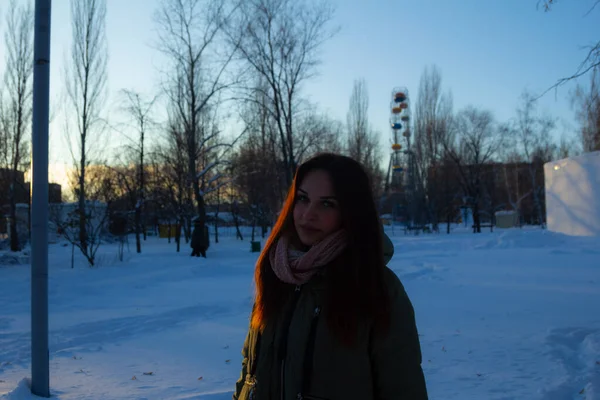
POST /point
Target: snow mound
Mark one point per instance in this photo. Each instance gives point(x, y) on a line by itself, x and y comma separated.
point(21, 392)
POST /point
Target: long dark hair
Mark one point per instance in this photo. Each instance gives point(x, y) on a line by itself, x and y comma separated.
point(355, 281)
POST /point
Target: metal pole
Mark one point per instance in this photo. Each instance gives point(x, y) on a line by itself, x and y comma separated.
point(40, 381)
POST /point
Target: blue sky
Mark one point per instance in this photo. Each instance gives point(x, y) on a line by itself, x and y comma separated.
point(488, 52)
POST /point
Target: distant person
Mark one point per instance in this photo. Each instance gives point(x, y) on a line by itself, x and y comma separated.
point(199, 240)
point(330, 320)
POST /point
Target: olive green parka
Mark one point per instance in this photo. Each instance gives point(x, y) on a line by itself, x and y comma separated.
point(298, 357)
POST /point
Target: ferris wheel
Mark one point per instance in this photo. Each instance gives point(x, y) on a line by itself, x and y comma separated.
point(400, 124)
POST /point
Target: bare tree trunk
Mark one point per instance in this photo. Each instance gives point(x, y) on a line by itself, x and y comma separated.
point(236, 221)
point(142, 193)
point(14, 235)
point(178, 226)
point(217, 216)
point(187, 228)
point(263, 229)
point(448, 198)
point(15, 244)
point(86, 87)
point(140, 111)
point(29, 215)
point(362, 140)
point(476, 218)
point(17, 108)
point(137, 218)
point(81, 199)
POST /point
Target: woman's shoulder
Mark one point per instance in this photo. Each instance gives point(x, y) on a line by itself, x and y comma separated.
point(394, 286)
point(391, 279)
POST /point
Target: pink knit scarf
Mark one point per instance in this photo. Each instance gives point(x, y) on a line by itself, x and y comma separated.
point(295, 267)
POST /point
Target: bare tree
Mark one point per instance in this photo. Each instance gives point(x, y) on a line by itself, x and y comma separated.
point(215, 178)
point(217, 206)
point(317, 132)
point(68, 222)
point(510, 173)
point(448, 189)
point(171, 174)
point(280, 40)
point(191, 36)
point(533, 133)
point(253, 184)
point(587, 103)
point(16, 107)
point(262, 134)
point(433, 119)
point(122, 196)
point(362, 140)
point(258, 180)
point(357, 120)
point(102, 189)
point(472, 149)
point(169, 180)
point(592, 60)
point(85, 80)
point(567, 147)
point(140, 110)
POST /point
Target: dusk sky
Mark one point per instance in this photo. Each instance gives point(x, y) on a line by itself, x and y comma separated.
point(488, 52)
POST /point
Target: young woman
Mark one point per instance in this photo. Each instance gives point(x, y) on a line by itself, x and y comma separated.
point(330, 320)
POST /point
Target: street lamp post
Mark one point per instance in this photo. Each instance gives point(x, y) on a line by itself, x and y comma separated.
point(40, 382)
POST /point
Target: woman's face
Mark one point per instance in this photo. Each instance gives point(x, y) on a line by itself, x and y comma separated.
point(316, 212)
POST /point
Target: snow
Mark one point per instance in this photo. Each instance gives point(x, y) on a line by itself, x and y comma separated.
point(513, 314)
point(206, 169)
point(21, 392)
point(505, 212)
point(573, 195)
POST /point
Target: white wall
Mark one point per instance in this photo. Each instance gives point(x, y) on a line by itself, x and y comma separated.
point(573, 195)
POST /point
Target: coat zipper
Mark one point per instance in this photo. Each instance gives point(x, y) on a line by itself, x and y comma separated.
point(284, 340)
point(308, 358)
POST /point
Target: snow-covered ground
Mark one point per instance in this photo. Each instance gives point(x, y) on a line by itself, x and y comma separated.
point(513, 314)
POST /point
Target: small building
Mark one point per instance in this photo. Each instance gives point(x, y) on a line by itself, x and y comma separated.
point(506, 219)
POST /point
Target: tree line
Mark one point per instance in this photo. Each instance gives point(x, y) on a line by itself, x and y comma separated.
point(230, 122)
